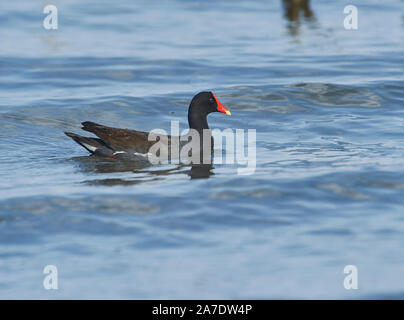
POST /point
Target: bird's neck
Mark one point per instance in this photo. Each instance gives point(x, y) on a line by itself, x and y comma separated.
point(197, 121)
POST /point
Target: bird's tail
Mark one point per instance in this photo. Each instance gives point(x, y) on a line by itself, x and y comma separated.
point(93, 145)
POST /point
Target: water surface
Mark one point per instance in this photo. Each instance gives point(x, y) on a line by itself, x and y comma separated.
point(329, 184)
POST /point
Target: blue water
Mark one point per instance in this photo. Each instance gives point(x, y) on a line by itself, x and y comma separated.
point(327, 104)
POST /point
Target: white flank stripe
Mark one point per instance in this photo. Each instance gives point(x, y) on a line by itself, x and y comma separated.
point(118, 152)
point(92, 148)
point(142, 154)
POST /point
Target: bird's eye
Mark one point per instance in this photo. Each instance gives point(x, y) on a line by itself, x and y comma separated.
point(211, 100)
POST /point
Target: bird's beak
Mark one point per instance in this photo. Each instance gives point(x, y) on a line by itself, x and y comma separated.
point(221, 108)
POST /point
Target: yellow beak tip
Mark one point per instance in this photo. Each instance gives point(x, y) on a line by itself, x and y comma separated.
point(228, 113)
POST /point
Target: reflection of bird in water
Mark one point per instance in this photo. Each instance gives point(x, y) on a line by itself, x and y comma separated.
point(144, 172)
point(200, 171)
point(293, 9)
